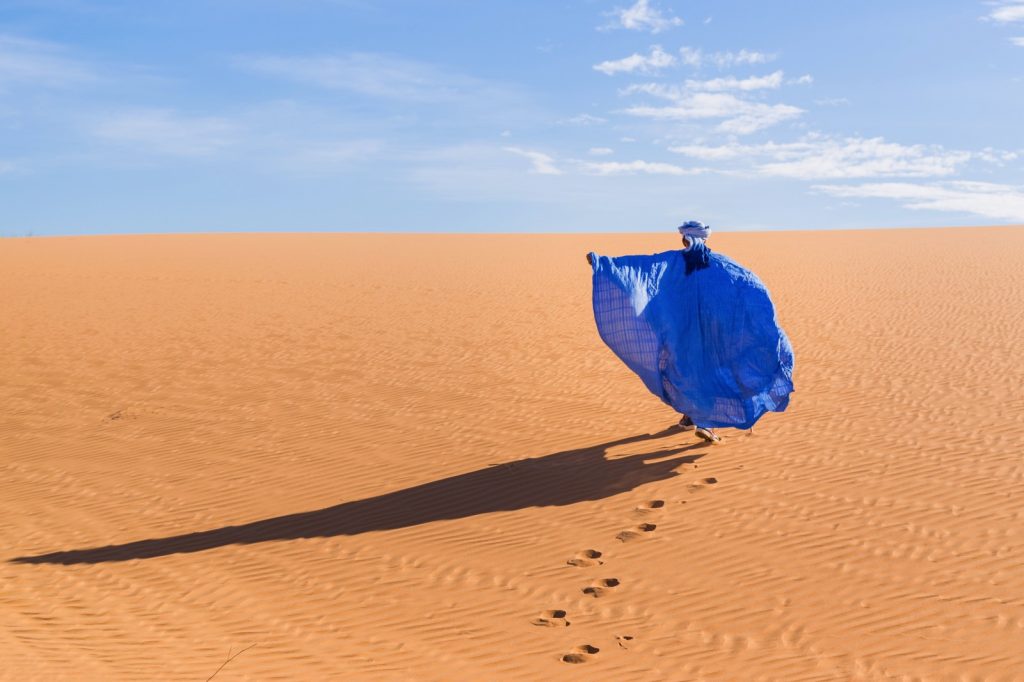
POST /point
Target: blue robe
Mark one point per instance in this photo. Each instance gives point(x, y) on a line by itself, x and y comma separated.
point(700, 332)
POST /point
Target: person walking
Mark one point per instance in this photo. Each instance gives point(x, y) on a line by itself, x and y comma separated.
point(699, 330)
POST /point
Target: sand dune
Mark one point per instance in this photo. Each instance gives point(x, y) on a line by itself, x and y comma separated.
point(381, 457)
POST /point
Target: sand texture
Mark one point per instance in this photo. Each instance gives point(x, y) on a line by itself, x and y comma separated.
point(382, 457)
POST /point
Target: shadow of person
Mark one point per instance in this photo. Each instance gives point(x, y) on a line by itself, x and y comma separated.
point(558, 479)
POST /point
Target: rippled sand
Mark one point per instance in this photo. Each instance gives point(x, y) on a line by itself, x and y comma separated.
point(382, 457)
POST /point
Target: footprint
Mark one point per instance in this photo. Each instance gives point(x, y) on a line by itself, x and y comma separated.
point(580, 654)
point(650, 505)
point(588, 557)
point(599, 588)
point(624, 640)
point(635, 532)
point(710, 480)
point(555, 618)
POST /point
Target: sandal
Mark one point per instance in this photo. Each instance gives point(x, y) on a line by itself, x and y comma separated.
point(708, 435)
point(686, 424)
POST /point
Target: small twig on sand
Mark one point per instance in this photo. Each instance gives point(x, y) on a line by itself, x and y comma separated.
point(230, 658)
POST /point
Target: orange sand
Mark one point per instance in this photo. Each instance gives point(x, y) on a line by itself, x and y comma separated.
point(376, 457)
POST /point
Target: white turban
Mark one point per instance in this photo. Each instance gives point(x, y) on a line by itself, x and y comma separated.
point(694, 228)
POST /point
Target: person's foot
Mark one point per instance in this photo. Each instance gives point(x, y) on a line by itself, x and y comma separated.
point(708, 435)
point(686, 424)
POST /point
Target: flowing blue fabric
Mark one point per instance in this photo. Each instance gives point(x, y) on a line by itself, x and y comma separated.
point(699, 330)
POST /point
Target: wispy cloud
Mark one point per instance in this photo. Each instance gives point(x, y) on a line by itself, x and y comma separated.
point(691, 56)
point(583, 120)
point(657, 59)
point(472, 172)
point(542, 163)
point(168, 132)
point(861, 158)
point(331, 156)
point(371, 74)
point(832, 101)
point(695, 57)
point(634, 167)
point(996, 156)
point(724, 152)
point(756, 116)
point(769, 82)
point(820, 158)
point(641, 16)
point(1008, 13)
point(740, 116)
point(37, 63)
point(989, 200)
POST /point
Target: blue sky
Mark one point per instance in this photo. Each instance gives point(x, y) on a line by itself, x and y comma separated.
point(586, 115)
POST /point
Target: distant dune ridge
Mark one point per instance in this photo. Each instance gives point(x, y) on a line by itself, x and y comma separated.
point(398, 457)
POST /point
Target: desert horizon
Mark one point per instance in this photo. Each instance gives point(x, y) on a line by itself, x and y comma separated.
point(409, 456)
point(506, 232)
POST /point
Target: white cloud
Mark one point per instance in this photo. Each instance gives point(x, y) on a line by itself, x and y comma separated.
point(862, 158)
point(695, 57)
point(542, 163)
point(805, 79)
point(1018, 41)
point(166, 132)
point(657, 59)
point(723, 152)
point(990, 200)
point(727, 59)
point(331, 156)
point(633, 167)
point(996, 156)
point(741, 116)
point(37, 63)
point(691, 56)
point(584, 120)
point(758, 117)
point(472, 173)
point(832, 101)
point(819, 158)
point(1008, 13)
point(601, 151)
point(370, 74)
point(673, 93)
point(769, 82)
point(642, 17)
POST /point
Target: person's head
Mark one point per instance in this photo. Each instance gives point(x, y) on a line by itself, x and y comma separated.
point(693, 228)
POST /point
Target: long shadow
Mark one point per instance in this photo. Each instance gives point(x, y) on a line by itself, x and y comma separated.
point(558, 479)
